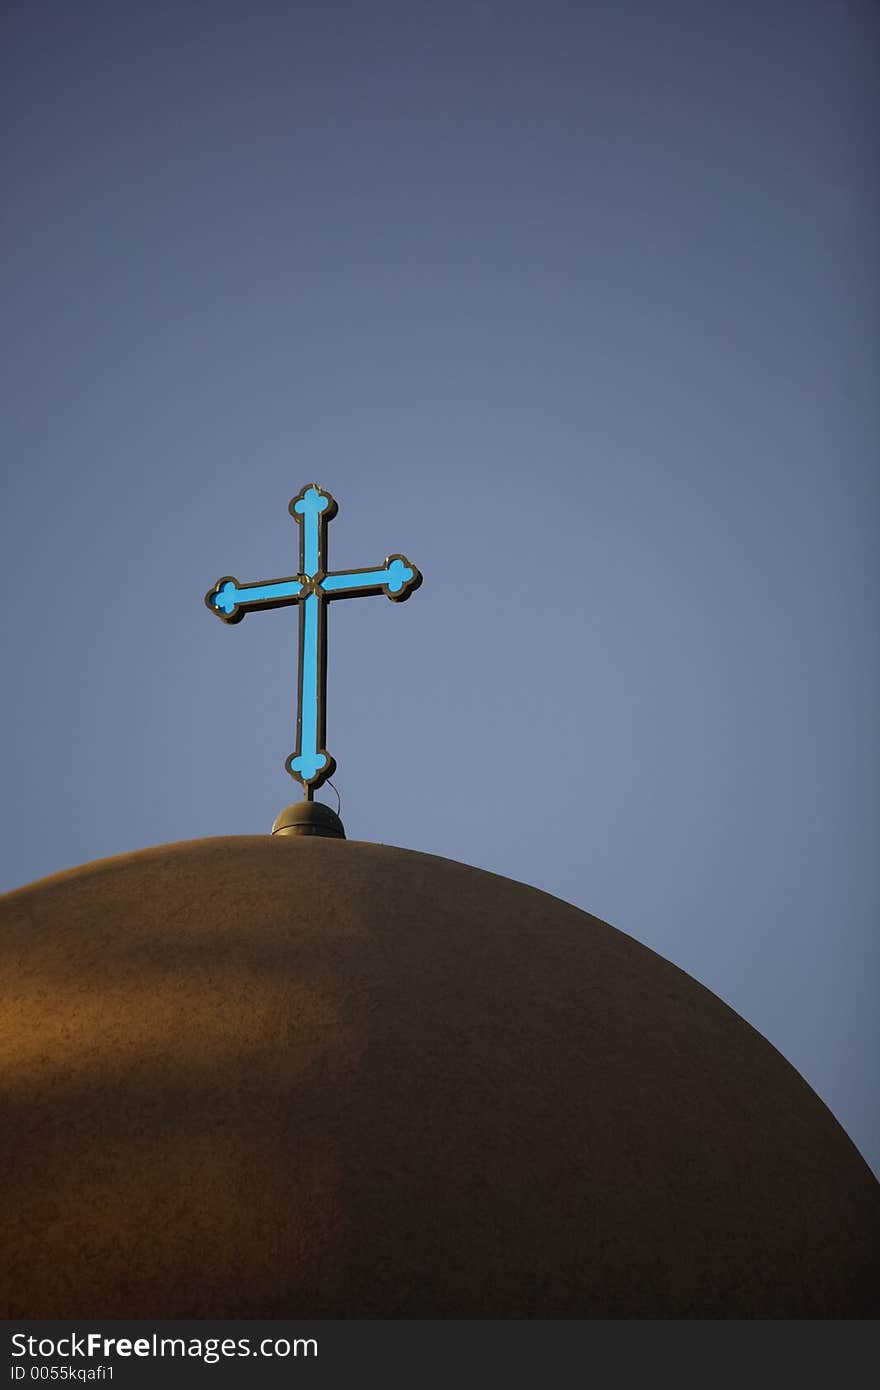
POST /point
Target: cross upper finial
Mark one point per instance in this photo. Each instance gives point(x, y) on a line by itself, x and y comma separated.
point(312, 588)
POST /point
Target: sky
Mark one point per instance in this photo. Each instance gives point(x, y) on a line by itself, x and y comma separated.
point(574, 304)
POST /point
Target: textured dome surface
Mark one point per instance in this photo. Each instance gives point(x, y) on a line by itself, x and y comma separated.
point(255, 1077)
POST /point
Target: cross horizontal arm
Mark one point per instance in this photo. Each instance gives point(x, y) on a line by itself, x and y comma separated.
point(397, 578)
point(229, 599)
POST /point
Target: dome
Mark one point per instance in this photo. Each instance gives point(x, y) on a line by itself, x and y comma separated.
point(263, 1077)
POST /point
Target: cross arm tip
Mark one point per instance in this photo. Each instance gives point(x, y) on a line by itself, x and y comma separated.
point(221, 600)
point(403, 578)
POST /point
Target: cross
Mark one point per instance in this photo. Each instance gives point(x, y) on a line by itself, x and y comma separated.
point(312, 589)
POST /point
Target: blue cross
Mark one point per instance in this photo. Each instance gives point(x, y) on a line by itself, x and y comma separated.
point(312, 588)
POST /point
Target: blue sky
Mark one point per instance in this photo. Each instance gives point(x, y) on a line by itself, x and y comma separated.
point(574, 304)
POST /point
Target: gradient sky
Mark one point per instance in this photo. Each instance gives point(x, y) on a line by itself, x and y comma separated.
point(576, 304)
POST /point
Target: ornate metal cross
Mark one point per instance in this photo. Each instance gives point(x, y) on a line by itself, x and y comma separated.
point(312, 588)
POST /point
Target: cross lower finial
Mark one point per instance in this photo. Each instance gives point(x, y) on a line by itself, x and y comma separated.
point(312, 588)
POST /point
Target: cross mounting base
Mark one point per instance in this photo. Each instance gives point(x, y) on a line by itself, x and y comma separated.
point(309, 818)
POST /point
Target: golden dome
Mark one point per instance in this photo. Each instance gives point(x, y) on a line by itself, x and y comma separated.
point(302, 1077)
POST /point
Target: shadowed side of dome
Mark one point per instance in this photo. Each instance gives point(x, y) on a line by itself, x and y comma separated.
point(301, 1076)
